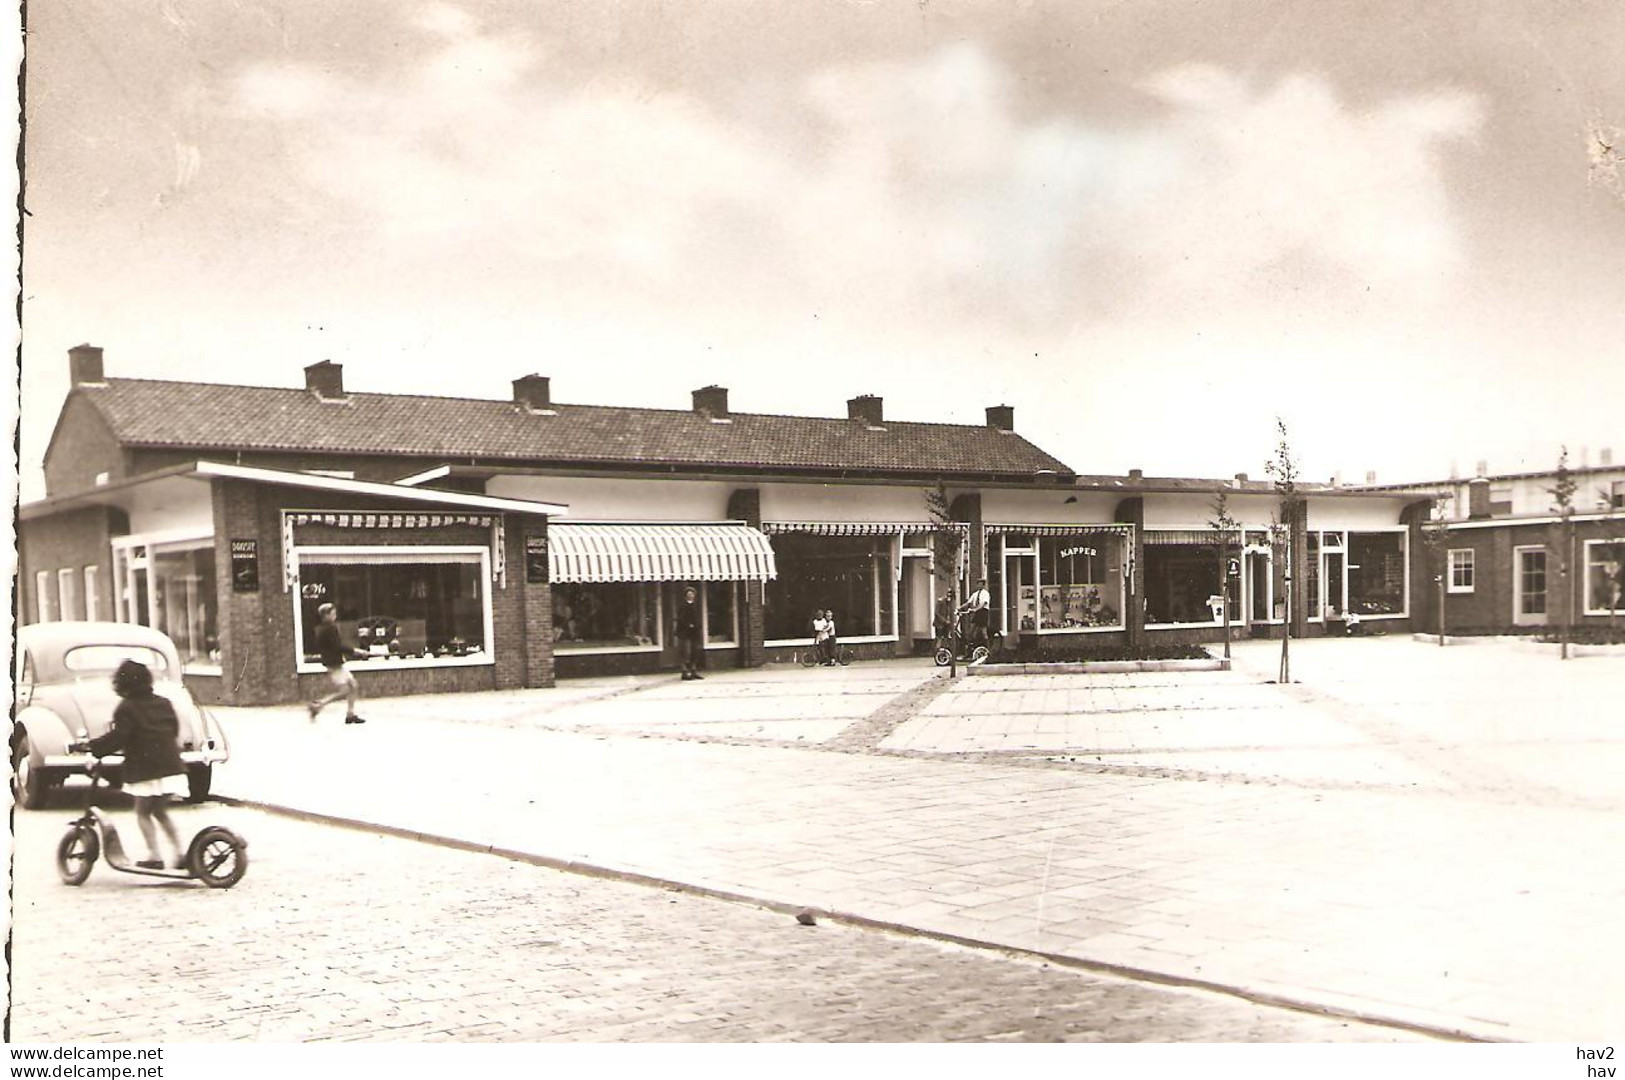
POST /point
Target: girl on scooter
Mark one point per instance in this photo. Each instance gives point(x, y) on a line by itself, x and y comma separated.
point(147, 730)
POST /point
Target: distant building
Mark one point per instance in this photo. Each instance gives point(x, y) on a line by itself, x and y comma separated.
point(1506, 562)
point(482, 544)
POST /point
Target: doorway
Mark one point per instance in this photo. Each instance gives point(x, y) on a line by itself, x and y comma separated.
point(1529, 586)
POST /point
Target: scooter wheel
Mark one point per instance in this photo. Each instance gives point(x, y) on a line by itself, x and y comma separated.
point(76, 853)
point(218, 857)
point(978, 654)
point(944, 657)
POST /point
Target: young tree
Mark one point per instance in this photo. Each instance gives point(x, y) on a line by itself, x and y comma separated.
point(947, 540)
point(1224, 527)
point(1562, 492)
point(1436, 541)
point(1283, 469)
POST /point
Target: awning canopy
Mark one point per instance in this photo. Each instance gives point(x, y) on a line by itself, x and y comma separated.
point(860, 528)
point(734, 552)
point(1059, 530)
point(1187, 537)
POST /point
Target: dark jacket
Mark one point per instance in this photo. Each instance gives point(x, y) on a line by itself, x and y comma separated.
point(329, 646)
point(148, 732)
point(688, 621)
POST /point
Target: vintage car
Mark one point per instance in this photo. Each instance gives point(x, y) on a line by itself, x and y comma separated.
point(64, 694)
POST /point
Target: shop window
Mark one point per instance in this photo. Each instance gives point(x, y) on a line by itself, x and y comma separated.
point(1182, 584)
point(1079, 582)
point(412, 603)
point(1605, 577)
point(721, 624)
point(44, 610)
point(852, 575)
point(181, 588)
point(609, 615)
point(1462, 569)
point(1311, 574)
point(67, 590)
point(1376, 573)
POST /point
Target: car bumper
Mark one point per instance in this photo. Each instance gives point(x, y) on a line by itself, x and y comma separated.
point(78, 763)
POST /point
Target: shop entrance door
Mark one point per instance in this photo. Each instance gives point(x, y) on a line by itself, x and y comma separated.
point(1529, 586)
point(913, 603)
point(1332, 583)
point(1258, 587)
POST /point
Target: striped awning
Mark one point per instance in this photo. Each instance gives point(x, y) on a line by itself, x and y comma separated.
point(858, 528)
point(1185, 537)
point(658, 553)
point(1059, 530)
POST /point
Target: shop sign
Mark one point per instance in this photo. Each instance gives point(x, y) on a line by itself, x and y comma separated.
point(536, 560)
point(245, 566)
point(1067, 553)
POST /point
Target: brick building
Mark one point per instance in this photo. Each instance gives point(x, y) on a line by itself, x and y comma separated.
point(1507, 559)
point(482, 543)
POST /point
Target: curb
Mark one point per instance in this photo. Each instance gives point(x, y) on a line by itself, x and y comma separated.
point(633, 877)
point(1098, 667)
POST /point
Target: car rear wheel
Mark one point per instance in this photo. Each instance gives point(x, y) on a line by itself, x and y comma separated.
point(198, 780)
point(28, 783)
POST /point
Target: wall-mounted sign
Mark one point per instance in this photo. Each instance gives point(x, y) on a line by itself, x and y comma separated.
point(245, 566)
point(1067, 553)
point(536, 560)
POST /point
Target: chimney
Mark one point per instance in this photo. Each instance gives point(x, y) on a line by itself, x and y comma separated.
point(1337, 478)
point(712, 401)
point(1241, 478)
point(1483, 468)
point(1002, 417)
point(1136, 474)
point(1605, 456)
point(865, 407)
point(1371, 478)
point(85, 364)
point(532, 392)
point(1585, 457)
point(325, 380)
point(1478, 498)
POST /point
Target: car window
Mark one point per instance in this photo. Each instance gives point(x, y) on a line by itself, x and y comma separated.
point(105, 659)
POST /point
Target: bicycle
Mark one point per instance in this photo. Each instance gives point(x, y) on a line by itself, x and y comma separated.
point(814, 656)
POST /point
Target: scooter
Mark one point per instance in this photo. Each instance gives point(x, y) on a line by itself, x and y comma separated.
point(958, 645)
point(216, 856)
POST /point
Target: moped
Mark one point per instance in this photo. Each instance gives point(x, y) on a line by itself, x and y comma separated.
point(216, 856)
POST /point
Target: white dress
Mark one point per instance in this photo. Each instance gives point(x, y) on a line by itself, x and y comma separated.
point(174, 784)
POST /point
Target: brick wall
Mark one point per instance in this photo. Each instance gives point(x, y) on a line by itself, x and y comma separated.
point(67, 541)
point(745, 504)
point(1132, 512)
point(257, 629)
point(81, 447)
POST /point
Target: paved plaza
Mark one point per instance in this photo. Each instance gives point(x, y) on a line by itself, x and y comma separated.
point(1416, 835)
point(338, 935)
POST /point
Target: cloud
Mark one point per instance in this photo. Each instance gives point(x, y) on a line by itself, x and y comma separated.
point(897, 188)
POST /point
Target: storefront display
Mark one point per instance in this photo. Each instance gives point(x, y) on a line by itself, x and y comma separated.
point(408, 604)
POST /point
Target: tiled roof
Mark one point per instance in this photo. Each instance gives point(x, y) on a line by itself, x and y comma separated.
point(214, 416)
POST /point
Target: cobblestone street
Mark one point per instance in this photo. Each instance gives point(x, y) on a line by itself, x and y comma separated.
point(337, 934)
point(1420, 836)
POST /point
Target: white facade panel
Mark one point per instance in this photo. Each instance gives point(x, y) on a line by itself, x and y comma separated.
point(599, 499)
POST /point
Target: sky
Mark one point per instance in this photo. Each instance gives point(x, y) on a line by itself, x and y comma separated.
point(1149, 227)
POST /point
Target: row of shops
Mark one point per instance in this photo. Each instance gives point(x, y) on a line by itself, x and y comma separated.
point(489, 544)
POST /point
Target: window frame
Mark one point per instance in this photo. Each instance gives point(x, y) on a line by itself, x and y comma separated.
point(887, 580)
point(67, 589)
point(1349, 567)
point(44, 607)
point(1585, 585)
point(563, 648)
point(485, 658)
point(1470, 565)
point(705, 616)
point(92, 576)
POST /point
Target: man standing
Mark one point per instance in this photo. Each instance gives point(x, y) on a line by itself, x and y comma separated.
point(333, 652)
point(689, 642)
point(979, 606)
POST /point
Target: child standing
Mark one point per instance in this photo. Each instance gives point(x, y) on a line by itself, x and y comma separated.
point(147, 730)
